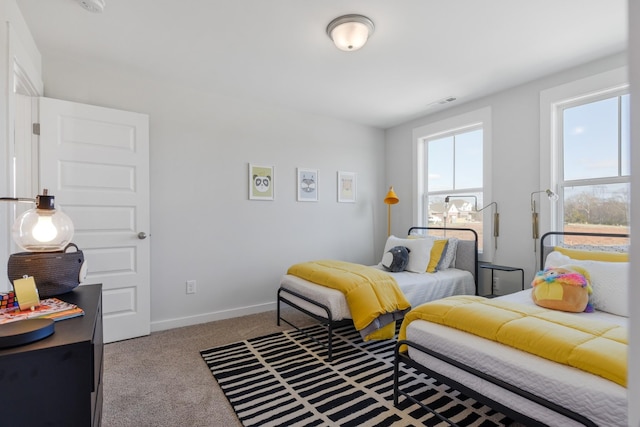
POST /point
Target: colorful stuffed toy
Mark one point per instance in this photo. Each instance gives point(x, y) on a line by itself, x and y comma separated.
point(565, 288)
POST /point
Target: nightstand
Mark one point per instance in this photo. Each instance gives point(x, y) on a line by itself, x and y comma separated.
point(57, 381)
point(494, 267)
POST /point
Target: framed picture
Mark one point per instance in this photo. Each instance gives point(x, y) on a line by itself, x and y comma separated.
point(261, 182)
point(307, 185)
point(347, 187)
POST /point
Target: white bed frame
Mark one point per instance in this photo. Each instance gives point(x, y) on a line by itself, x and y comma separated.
point(474, 375)
point(295, 299)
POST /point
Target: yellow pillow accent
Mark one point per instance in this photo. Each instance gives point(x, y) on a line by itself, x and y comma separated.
point(436, 253)
point(593, 255)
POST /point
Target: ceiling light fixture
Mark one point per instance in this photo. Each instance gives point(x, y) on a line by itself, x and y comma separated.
point(95, 6)
point(350, 32)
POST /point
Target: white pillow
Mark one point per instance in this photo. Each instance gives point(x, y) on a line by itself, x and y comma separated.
point(419, 252)
point(610, 282)
point(556, 259)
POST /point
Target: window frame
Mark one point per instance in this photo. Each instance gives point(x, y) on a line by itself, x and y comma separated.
point(480, 118)
point(553, 101)
point(563, 183)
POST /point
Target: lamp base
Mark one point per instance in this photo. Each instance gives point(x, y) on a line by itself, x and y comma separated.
point(55, 273)
point(25, 331)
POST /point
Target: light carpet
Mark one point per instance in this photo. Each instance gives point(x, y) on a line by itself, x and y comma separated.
point(283, 379)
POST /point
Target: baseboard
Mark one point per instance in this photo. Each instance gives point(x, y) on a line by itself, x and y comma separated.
point(163, 325)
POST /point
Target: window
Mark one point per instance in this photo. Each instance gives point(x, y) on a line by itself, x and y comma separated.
point(452, 163)
point(586, 160)
point(594, 182)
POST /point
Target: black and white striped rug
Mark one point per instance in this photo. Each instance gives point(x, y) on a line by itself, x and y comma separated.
point(283, 379)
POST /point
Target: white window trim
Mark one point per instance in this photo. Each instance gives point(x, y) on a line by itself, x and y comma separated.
point(551, 100)
point(481, 117)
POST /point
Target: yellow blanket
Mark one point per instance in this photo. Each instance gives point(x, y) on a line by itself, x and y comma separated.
point(373, 296)
point(593, 346)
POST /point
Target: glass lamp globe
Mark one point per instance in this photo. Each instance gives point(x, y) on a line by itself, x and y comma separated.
point(350, 32)
point(43, 229)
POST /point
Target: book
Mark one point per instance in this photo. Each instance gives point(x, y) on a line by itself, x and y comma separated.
point(51, 308)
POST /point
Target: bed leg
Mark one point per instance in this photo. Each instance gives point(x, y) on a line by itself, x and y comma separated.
point(328, 320)
point(278, 310)
point(396, 372)
point(330, 342)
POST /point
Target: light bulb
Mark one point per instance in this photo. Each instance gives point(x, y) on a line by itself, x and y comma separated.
point(44, 230)
point(552, 196)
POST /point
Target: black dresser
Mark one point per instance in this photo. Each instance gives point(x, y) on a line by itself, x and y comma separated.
point(57, 381)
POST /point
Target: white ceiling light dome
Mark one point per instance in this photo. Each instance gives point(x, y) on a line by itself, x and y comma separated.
point(95, 6)
point(350, 32)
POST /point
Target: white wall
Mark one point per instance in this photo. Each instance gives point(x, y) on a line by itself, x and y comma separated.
point(203, 227)
point(634, 293)
point(515, 159)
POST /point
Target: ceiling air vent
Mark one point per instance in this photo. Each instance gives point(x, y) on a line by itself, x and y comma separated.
point(442, 101)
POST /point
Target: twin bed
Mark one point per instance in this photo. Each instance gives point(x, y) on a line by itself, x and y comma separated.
point(529, 388)
point(543, 391)
point(329, 306)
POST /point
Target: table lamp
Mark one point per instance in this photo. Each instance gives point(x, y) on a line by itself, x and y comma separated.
point(38, 231)
point(42, 229)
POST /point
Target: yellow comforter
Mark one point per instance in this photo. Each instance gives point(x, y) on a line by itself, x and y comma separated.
point(593, 346)
point(373, 296)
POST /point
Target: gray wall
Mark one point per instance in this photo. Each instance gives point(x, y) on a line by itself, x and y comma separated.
point(203, 227)
point(515, 159)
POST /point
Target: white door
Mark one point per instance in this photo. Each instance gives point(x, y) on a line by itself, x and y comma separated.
point(95, 161)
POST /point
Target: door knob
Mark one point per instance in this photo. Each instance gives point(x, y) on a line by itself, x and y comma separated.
point(142, 235)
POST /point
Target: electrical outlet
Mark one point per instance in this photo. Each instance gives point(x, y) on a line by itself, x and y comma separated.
point(496, 285)
point(191, 286)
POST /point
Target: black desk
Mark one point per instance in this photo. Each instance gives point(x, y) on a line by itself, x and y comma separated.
point(493, 267)
point(57, 381)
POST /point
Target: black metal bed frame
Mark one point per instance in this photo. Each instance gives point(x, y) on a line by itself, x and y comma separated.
point(403, 357)
point(328, 320)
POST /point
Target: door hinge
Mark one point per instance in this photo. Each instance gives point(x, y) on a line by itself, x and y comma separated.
point(36, 128)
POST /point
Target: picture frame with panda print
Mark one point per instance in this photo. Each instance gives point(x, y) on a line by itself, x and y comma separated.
point(347, 187)
point(307, 185)
point(261, 182)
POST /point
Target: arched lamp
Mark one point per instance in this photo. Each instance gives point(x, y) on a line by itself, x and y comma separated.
point(496, 215)
point(350, 32)
point(390, 199)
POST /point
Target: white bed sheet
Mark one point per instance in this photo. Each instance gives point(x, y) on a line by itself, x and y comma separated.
point(600, 400)
point(417, 288)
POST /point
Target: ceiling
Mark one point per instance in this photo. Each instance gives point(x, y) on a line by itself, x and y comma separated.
point(277, 51)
